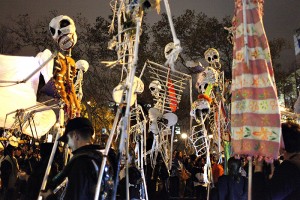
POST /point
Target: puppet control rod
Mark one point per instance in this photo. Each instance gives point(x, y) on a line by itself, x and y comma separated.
point(59, 133)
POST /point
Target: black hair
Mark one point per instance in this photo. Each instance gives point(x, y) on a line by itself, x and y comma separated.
point(234, 168)
point(9, 150)
point(291, 136)
point(193, 157)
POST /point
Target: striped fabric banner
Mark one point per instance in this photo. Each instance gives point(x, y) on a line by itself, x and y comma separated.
point(255, 115)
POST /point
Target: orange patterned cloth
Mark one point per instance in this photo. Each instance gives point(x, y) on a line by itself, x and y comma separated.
point(255, 115)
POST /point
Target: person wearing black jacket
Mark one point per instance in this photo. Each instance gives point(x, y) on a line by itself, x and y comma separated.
point(83, 168)
point(233, 186)
point(9, 173)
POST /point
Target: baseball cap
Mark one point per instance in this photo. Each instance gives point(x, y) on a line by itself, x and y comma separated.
point(76, 124)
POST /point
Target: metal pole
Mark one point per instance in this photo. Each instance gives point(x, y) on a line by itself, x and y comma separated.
point(59, 133)
point(250, 178)
point(105, 154)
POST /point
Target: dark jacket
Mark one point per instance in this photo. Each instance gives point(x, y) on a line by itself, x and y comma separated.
point(284, 185)
point(9, 171)
point(230, 189)
point(82, 173)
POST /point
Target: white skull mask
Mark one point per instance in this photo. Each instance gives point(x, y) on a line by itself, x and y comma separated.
point(208, 76)
point(63, 32)
point(138, 85)
point(212, 57)
point(155, 88)
point(169, 51)
point(82, 65)
point(200, 110)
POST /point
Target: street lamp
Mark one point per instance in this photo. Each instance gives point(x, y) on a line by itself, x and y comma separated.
point(183, 135)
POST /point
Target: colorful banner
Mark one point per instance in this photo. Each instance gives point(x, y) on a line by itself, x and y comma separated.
point(255, 115)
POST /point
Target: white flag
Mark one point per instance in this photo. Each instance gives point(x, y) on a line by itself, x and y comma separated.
point(297, 43)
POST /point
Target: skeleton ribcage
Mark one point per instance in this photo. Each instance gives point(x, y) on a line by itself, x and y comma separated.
point(172, 85)
point(199, 139)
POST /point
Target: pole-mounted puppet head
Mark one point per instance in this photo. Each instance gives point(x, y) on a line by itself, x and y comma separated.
point(63, 32)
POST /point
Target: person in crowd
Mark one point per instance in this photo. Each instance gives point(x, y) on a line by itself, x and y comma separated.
point(174, 179)
point(198, 178)
point(161, 175)
point(18, 155)
point(135, 187)
point(30, 161)
point(82, 170)
point(35, 180)
point(245, 166)
point(233, 186)
point(217, 169)
point(184, 175)
point(189, 188)
point(284, 184)
point(21, 183)
point(9, 174)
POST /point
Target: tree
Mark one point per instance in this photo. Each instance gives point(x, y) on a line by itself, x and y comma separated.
point(196, 36)
point(32, 35)
point(8, 44)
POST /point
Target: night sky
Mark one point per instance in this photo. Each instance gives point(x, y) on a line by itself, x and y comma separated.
point(281, 17)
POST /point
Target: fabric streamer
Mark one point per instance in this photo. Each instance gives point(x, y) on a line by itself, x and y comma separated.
point(255, 115)
point(17, 94)
point(172, 96)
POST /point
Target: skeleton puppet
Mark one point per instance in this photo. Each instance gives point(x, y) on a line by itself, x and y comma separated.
point(82, 66)
point(63, 29)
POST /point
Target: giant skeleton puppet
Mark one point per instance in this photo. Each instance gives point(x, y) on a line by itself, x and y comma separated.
point(218, 119)
point(63, 32)
point(204, 110)
point(161, 116)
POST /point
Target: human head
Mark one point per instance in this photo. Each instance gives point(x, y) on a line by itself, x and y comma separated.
point(193, 157)
point(46, 150)
point(291, 136)
point(9, 150)
point(234, 166)
point(18, 151)
point(214, 158)
point(78, 130)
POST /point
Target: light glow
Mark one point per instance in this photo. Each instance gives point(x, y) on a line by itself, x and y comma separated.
point(183, 135)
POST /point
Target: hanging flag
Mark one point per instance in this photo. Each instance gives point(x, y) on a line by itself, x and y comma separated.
point(255, 115)
point(297, 43)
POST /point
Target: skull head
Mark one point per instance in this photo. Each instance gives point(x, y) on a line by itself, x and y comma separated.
point(63, 32)
point(200, 110)
point(208, 76)
point(138, 85)
point(169, 48)
point(212, 57)
point(155, 87)
point(82, 65)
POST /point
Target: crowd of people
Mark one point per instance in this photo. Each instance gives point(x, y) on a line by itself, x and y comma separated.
point(23, 169)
